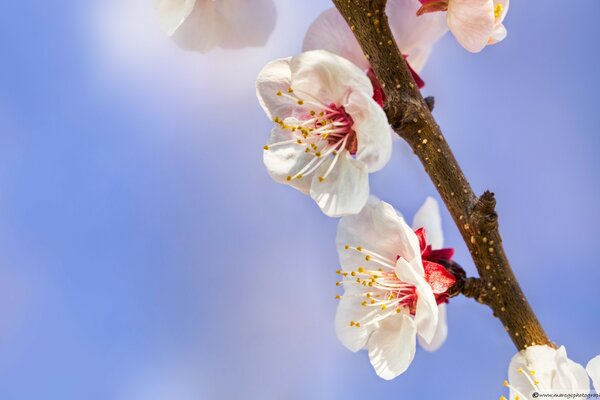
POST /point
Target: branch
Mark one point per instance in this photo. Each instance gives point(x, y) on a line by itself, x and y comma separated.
point(475, 217)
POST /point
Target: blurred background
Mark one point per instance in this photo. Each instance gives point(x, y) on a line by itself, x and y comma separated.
point(145, 254)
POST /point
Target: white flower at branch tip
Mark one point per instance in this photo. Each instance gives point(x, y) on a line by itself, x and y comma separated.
point(546, 370)
point(474, 23)
point(329, 133)
point(201, 25)
point(391, 289)
point(415, 36)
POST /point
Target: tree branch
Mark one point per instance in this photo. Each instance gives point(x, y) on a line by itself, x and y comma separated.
point(476, 218)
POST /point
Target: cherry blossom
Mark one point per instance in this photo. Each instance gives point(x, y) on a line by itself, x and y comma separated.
point(201, 25)
point(329, 133)
point(391, 287)
point(474, 23)
point(546, 370)
point(415, 36)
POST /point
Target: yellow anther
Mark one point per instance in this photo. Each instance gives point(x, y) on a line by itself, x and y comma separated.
point(337, 297)
point(371, 283)
point(536, 382)
point(361, 269)
point(505, 383)
point(498, 10)
point(345, 274)
point(352, 323)
point(502, 398)
point(353, 273)
point(300, 102)
point(312, 113)
point(299, 141)
point(279, 93)
point(334, 153)
point(358, 324)
point(383, 307)
point(367, 258)
point(307, 150)
point(288, 178)
point(359, 248)
point(338, 271)
point(520, 370)
point(347, 247)
point(338, 283)
point(358, 280)
point(276, 119)
point(290, 90)
point(299, 176)
point(364, 303)
point(318, 154)
point(372, 301)
point(368, 295)
point(532, 372)
point(266, 147)
point(321, 179)
point(398, 311)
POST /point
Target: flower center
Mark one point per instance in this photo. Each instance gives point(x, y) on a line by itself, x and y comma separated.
point(323, 130)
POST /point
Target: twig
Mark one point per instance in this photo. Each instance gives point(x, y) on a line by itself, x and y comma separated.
point(475, 216)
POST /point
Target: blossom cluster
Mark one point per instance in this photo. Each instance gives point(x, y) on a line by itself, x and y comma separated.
point(330, 132)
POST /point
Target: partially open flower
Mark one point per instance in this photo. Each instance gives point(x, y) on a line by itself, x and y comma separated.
point(546, 370)
point(329, 133)
point(415, 36)
point(474, 23)
point(391, 289)
point(201, 25)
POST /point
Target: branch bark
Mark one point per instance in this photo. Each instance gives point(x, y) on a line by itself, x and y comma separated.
point(475, 216)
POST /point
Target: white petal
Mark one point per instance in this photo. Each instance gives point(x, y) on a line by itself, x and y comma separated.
point(379, 228)
point(172, 13)
point(249, 23)
point(327, 77)
point(273, 78)
point(373, 132)
point(392, 346)
point(426, 314)
point(441, 332)
point(570, 375)
point(429, 217)
point(286, 160)
point(203, 28)
point(331, 32)
point(471, 22)
point(593, 369)
point(498, 34)
point(350, 309)
point(415, 35)
point(345, 190)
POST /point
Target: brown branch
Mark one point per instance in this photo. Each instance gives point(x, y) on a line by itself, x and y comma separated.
point(475, 216)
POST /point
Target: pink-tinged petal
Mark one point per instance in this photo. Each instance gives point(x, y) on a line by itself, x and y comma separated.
point(327, 77)
point(275, 77)
point(415, 35)
point(441, 332)
point(429, 217)
point(249, 22)
point(331, 32)
point(286, 160)
point(593, 369)
point(350, 310)
point(438, 278)
point(392, 346)
point(499, 34)
point(426, 315)
point(372, 131)
point(379, 228)
point(345, 190)
point(172, 13)
point(471, 22)
point(202, 30)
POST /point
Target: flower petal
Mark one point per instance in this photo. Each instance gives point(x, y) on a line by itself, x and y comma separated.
point(441, 332)
point(172, 13)
point(471, 22)
point(203, 28)
point(249, 23)
point(331, 32)
point(350, 309)
point(379, 228)
point(426, 315)
point(345, 190)
point(275, 77)
point(322, 75)
point(570, 375)
point(429, 217)
point(593, 369)
point(499, 34)
point(415, 35)
point(286, 160)
point(392, 346)
point(372, 129)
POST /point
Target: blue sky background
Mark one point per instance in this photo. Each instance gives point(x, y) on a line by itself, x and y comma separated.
point(145, 254)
